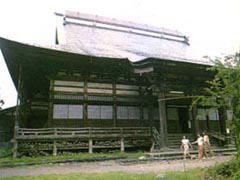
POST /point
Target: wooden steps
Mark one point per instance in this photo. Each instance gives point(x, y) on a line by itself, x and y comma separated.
point(177, 153)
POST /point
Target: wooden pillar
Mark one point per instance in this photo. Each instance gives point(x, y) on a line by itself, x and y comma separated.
point(50, 106)
point(17, 114)
point(90, 142)
point(162, 119)
point(195, 120)
point(54, 147)
point(85, 116)
point(122, 149)
point(15, 145)
point(141, 106)
point(55, 143)
point(208, 124)
point(150, 110)
point(114, 105)
point(222, 119)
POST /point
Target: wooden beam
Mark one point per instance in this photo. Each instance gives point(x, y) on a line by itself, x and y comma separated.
point(17, 115)
point(162, 119)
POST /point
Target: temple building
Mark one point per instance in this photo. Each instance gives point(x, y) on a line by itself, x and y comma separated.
point(107, 74)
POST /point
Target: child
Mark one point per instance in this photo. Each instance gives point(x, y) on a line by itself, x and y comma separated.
point(185, 146)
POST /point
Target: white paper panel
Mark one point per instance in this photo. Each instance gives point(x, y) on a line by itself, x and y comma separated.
point(100, 91)
point(75, 112)
point(94, 112)
point(100, 85)
point(229, 115)
point(213, 115)
point(106, 112)
point(130, 87)
point(69, 83)
point(68, 89)
point(60, 111)
point(125, 92)
point(122, 112)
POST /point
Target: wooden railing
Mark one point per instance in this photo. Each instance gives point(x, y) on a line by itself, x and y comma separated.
point(63, 133)
point(81, 138)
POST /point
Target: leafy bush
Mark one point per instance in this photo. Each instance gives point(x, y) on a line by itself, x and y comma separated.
point(5, 153)
point(226, 171)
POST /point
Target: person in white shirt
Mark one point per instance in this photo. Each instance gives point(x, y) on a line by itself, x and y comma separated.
point(200, 142)
point(185, 146)
point(206, 145)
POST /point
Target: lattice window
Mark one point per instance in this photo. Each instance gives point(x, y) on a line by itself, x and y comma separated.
point(100, 112)
point(60, 111)
point(213, 115)
point(67, 111)
point(106, 112)
point(128, 112)
point(68, 97)
point(133, 112)
point(201, 114)
point(122, 112)
point(100, 98)
point(75, 111)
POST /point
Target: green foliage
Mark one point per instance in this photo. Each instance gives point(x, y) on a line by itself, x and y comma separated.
point(224, 89)
point(226, 171)
point(5, 152)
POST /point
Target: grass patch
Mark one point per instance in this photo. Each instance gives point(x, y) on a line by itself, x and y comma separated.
point(11, 162)
point(189, 175)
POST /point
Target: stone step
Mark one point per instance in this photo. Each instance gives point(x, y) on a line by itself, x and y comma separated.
point(170, 152)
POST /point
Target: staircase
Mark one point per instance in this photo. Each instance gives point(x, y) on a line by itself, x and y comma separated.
point(174, 140)
point(173, 147)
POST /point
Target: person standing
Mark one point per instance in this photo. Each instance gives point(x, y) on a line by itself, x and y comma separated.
point(200, 142)
point(206, 145)
point(185, 146)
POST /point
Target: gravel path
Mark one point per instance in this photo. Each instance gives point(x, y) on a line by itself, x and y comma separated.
point(110, 166)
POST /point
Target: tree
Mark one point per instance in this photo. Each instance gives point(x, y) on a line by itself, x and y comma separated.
point(1, 103)
point(224, 90)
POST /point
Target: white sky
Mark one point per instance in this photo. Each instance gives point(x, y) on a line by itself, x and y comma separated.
point(213, 25)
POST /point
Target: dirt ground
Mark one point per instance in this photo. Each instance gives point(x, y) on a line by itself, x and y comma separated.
point(110, 166)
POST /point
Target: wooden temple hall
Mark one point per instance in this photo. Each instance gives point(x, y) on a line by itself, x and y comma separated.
point(109, 84)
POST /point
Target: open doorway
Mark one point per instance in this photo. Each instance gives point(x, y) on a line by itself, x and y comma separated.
point(183, 120)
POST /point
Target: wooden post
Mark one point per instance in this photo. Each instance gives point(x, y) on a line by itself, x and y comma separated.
point(122, 149)
point(152, 147)
point(208, 124)
point(85, 96)
point(114, 105)
point(162, 119)
point(15, 143)
point(50, 105)
point(152, 139)
point(54, 147)
point(17, 114)
point(90, 141)
point(55, 144)
point(222, 112)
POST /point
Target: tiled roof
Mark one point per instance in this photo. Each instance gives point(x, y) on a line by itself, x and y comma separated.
point(106, 37)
